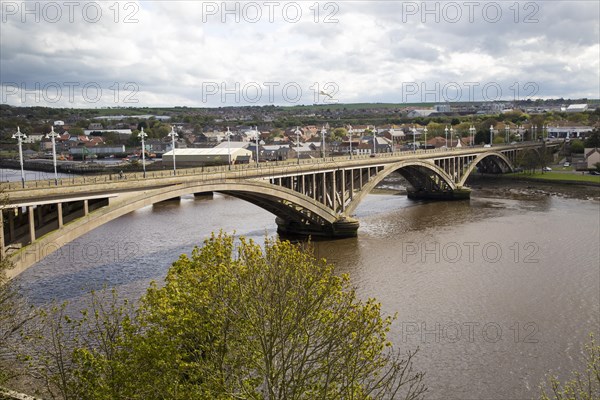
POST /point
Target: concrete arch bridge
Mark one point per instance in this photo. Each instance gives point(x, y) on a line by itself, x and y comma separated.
point(314, 197)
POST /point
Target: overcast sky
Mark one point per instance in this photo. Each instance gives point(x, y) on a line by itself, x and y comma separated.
point(212, 54)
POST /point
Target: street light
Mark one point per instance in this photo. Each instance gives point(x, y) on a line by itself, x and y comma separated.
point(298, 144)
point(521, 134)
point(53, 135)
point(256, 130)
point(173, 135)
point(20, 136)
point(507, 132)
point(472, 132)
point(451, 135)
point(425, 140)
point(491, 134)
point(142, 135)
point(323, 132)
point(446, 131)
point(350, 133)
point(545, 132)
point(374, 141)
point(228, 134)
point(414, 129)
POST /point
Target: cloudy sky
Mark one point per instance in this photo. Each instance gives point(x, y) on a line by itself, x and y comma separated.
point(212, 54)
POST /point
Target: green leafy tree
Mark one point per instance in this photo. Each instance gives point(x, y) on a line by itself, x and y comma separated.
point(338, 134)
point(576, 146)
point(248, 323)
point(76, 131)
point(593, 140)
point(583, 386)
point(233, 321)
point(14, 313)
point(76, 358)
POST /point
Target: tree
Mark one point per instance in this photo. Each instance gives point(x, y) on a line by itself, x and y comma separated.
point(236, 321)
point(14, 312)
point(593, 140)
point(338, 134)
point(63, 350)
point(576, 146)
point(265, 324)
point(76, 131)
point(583, 386)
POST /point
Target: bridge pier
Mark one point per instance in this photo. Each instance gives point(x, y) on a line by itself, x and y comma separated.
point(344, 227)
point(462, 193)
point(1, 235)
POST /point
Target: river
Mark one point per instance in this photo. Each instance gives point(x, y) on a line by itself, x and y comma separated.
point(495, 291)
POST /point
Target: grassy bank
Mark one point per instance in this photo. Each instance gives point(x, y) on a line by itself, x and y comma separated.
point(557, 177)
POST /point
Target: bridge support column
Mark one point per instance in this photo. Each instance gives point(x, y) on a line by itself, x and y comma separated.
point(1, 235)
point(31, 223)
point(344, 227)
point(59, 213)
point(11, 225)
point(86, 207)
point(462, 193)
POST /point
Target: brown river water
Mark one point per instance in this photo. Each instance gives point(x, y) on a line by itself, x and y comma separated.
point(495, 291)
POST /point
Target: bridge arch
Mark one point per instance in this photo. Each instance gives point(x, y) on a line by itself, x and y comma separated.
point(417, 172)
point(498, 159)
point(282, 202)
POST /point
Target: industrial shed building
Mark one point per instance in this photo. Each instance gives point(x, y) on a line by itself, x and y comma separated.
point(213, 156)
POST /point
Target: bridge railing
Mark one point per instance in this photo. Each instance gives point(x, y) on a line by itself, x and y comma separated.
point(210, 171)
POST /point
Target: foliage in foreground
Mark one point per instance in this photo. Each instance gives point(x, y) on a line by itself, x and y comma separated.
point(582, 386)
point(232, 322)
point(14, 312)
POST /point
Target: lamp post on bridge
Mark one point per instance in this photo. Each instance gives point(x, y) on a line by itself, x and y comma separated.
point(298, 144)
point(544, 131)
point(142, 135)
point(374, 140)
point(507, 133)
point(472, 132)
point(173, 135)
point(452, 135)
point(425, 138)
point(228, 134)
point(491, 134)
point(20, 136)
point(350, 133)
point(446, 131)
point(53, 135)
point(257, 140)
point(414, 138)
point(323, 132)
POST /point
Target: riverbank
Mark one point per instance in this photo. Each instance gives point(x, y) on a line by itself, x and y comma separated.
point(517, 187)
point(558, 177)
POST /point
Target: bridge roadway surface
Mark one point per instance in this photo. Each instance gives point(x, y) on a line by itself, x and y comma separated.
point(313, 197)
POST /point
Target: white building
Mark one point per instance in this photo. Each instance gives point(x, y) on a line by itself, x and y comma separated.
point(442, 108)
point(568, 131)
point(34, 138)
point(213, 156)
point(577, 108)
